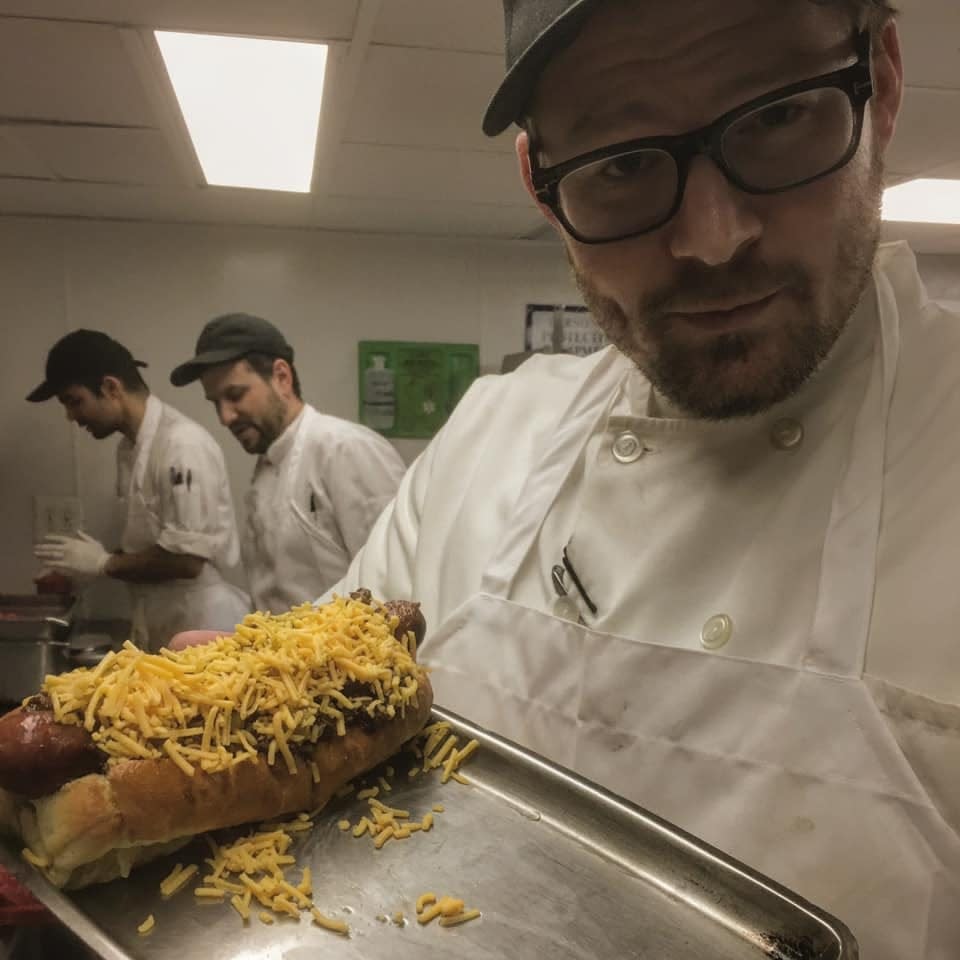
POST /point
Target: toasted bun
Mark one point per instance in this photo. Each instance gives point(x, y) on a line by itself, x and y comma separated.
point(97, 827)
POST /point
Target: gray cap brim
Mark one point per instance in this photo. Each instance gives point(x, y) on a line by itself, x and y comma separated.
point(195, 368)
point(513, 95)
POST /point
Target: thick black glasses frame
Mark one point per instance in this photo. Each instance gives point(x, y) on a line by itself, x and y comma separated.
point(855, 81)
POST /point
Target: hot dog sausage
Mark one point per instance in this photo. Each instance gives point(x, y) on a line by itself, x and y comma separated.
point(39, 755)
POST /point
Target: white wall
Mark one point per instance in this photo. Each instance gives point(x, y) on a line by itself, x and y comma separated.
point(154, 286)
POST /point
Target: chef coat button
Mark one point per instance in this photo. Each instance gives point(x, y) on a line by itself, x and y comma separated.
point(787, 434)
point(566, 609)
point(716, 632)
point(627, 448)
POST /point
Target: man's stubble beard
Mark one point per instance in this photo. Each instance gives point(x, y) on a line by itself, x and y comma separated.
point(270, 425)
point(702, 379)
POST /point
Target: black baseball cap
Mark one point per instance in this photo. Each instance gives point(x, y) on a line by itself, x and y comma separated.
point(83, 356)
point(535, 31)
point(232, 337)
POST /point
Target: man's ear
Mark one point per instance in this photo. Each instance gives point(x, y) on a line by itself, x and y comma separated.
point(283, 373)
point(887, 83)
point(110, 386)
point(523, 158)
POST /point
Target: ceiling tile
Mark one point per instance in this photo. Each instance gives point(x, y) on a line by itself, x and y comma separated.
point(419, 97)
point(404, 172)
point(17, 161)
point(294, 19)
point(68, 72)
point(450, 217)
point(157, 204)
point(928, 131)
point(445, 24)
point(103, 154)
point(930, 41)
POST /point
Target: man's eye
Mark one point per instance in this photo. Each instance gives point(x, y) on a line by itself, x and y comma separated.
point(630, 165)
point(779, 116)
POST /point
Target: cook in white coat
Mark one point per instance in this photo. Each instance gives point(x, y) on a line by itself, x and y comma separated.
point(319, 482)
point(756, 487)
point(179, 531)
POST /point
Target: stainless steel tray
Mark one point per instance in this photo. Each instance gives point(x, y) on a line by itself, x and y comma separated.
point(559, 868)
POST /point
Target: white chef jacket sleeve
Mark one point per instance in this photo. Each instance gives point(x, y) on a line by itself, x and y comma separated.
point(196, 516)
point(386, 562)
point(365, 472)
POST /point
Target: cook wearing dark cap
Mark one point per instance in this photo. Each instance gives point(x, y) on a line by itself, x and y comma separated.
point(179, 529)
point(319, 481)
point(713, 566)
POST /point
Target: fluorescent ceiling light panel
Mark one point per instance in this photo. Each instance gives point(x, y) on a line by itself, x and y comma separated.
point(251, 106)
point(923, 201)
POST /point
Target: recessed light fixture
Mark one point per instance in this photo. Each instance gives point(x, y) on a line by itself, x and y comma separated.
point(251, 106)
point(923, 201)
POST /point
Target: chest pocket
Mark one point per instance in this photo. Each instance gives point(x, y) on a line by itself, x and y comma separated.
point(320, 542)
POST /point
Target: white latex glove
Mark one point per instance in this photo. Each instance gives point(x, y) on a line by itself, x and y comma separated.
point(80, 555)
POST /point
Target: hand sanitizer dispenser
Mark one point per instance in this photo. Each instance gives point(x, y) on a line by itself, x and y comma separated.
point(379, 395)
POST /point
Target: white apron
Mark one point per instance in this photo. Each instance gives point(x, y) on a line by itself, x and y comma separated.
point(797, 772)
point(287, 553)
point(159, 610)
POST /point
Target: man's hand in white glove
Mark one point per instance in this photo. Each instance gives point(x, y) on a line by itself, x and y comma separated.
point(80, 555)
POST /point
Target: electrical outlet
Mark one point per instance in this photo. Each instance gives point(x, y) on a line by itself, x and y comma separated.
point(58, 515)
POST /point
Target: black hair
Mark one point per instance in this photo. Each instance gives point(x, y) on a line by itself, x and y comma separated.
point(262, 364)
point(128, 375)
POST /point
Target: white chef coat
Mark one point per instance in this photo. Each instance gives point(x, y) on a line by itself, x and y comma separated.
point(773, 664)
point(173, 485)
point(314, 496)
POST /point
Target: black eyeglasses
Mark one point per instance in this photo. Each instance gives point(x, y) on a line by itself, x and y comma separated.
point(779, 141)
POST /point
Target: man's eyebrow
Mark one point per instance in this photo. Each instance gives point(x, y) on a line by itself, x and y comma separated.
point(744, 87)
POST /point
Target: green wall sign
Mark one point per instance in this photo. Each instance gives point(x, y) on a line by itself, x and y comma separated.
point(409, 389)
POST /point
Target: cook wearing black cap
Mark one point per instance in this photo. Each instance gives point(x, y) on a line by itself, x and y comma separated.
point(319, 481)
point(179, 528)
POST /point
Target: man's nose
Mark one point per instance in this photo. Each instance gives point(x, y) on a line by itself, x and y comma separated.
point(226, 413)
point(714, 222)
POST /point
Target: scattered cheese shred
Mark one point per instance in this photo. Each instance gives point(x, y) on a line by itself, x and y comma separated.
point(424, 900)
point(146, 926)
point(31, 857)
point(254, 868)
point(178, 879)
point(459, 918)
point(450, 910)
point(328, 923)
point(274, 689)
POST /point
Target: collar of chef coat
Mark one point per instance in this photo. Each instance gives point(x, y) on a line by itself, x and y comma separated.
point(130, 455)
point(278, 451)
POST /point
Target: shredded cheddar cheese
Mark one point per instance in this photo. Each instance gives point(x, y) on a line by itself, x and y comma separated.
point(146, 926)
point(450, 910)
point(31, 857)
point(273, 689)
point(254, 868)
